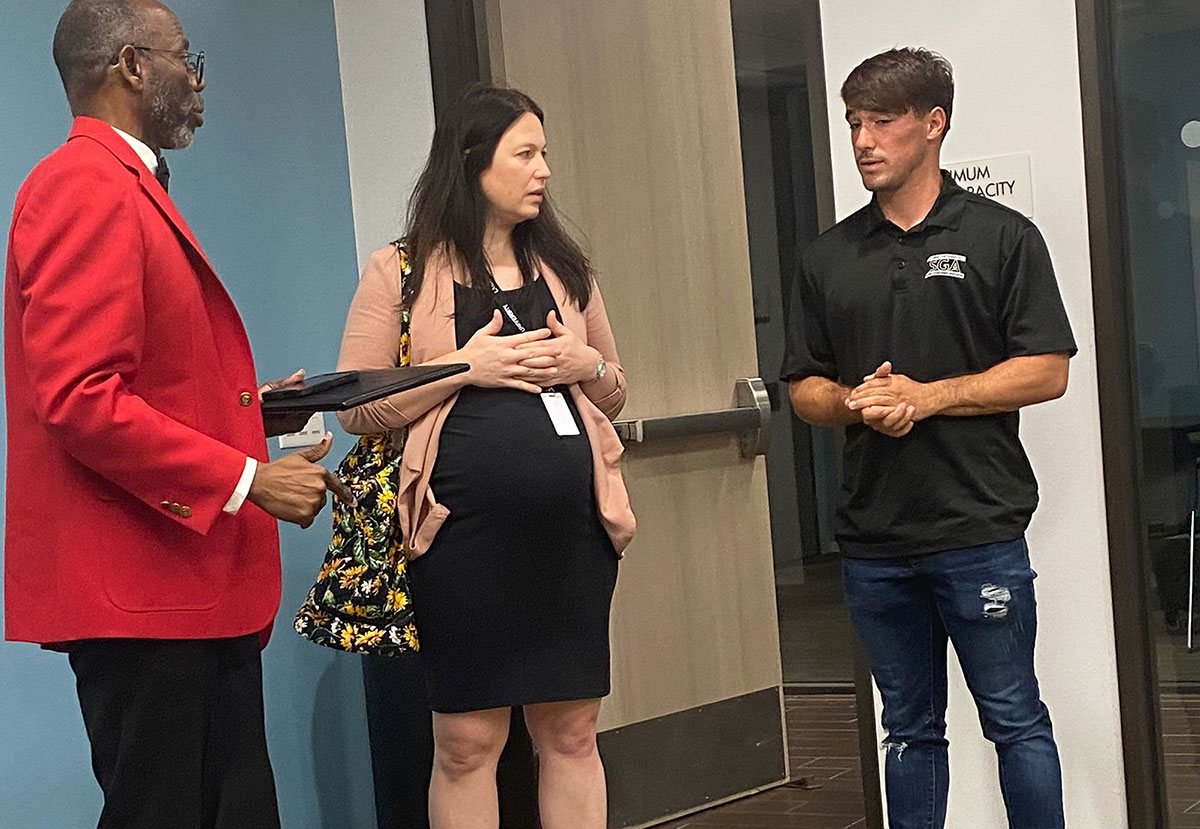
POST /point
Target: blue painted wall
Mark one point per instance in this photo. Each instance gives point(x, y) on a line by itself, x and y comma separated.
point(265, 187)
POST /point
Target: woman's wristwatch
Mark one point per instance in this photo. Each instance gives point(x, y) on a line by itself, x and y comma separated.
point(601, 370)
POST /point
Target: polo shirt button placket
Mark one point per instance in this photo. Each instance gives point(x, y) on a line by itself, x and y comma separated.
point(899, 282)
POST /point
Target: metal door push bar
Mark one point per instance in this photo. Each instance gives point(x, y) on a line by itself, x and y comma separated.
point(750, 419)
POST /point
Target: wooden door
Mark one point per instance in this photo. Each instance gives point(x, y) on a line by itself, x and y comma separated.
point(642, 126)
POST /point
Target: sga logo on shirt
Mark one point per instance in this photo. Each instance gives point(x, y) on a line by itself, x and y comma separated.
point(946, 264)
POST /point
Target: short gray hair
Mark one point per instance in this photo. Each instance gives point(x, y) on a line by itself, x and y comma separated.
point(90, 33)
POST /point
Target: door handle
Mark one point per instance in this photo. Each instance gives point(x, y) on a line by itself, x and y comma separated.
point(750, 418)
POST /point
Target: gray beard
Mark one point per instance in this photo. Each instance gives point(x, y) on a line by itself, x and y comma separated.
point(180, 138)
point(174, 136)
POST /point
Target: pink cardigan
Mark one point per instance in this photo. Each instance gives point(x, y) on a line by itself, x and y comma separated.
point(371, 340)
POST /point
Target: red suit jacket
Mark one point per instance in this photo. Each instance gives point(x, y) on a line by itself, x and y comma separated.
point(132, 405)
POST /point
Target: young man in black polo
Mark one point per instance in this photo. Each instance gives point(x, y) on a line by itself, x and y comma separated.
point(923, 323)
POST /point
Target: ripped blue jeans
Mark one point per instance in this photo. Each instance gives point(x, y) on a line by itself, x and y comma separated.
point(980, 599)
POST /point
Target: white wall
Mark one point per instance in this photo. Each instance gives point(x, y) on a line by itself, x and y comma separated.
point(387, 96)
point(1017, 91)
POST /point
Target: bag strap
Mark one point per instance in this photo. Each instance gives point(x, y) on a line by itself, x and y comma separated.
point(404, 270)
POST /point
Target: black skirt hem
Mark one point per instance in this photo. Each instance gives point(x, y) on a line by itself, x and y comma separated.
point(537, 699)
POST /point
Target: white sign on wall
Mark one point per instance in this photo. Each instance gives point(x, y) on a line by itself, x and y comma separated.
point(1006, 179)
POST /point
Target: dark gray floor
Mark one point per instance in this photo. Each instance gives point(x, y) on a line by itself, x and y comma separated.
point(826, 788)
point(815, 637)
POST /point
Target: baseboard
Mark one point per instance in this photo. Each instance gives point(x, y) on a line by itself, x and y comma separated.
point(660, 768)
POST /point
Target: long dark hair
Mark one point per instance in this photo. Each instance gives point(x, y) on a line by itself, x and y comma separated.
point(448, 207)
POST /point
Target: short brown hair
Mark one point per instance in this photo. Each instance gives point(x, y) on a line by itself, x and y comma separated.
point(899, 81)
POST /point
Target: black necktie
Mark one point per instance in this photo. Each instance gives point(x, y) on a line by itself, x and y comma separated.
point(162, 173)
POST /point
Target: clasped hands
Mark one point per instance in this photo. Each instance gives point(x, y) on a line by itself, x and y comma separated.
point(531, 361)
point(891, 403)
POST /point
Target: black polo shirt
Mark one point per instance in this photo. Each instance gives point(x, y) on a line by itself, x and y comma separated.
point(969, 287)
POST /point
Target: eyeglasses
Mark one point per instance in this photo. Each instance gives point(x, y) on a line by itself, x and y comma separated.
point(194, 60)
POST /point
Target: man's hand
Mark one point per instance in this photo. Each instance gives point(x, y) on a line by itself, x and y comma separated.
point(293, 379)
point(283, 423)
point(293, 488)
point(1005, 387)
point(881, 402)
point(883, 388)
point(893, 421)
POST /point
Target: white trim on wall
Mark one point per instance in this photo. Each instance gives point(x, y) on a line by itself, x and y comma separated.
point(387, 97)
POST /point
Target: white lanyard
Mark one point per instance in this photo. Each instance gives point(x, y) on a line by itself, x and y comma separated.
point(552, 399)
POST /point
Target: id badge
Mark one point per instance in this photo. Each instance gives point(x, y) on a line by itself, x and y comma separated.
point(560, 413)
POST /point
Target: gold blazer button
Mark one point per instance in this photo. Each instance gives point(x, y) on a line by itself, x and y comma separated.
point(246, 399)
point(186, 512)
point(175, 508)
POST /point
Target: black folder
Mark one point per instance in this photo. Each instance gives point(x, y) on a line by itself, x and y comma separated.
point(343, 390)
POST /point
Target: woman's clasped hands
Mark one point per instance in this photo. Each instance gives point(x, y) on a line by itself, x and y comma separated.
point(564, 352)
point(530, 361)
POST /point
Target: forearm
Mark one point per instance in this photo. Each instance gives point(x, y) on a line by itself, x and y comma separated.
point(399, 410)
point(608, 392)
point(148, 454)
point(821, 402)
point(1005, 387)
point(371, 341)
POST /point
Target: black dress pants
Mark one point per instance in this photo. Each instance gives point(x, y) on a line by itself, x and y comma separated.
point(177, 734)
point(400, 725)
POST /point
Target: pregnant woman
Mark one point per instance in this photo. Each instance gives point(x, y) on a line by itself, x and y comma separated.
point(511, 498)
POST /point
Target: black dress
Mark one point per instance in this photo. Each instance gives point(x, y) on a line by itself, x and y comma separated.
point(512, 598)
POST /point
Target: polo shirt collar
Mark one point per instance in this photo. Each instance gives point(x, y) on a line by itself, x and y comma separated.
point(946, 212)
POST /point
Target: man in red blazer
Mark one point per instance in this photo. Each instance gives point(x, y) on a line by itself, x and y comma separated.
point(134, 438)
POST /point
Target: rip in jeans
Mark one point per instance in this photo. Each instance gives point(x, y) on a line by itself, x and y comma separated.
point(995, 601)
point(894, 745)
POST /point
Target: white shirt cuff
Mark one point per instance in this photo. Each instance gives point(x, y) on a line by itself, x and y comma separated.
point(243, 488)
